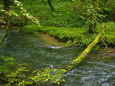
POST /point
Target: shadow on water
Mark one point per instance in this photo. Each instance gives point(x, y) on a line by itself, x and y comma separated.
point(39, 50)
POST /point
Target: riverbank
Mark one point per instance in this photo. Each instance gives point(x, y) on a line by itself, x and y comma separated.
point(80, 36)
point(66, 26)
point(76, 36)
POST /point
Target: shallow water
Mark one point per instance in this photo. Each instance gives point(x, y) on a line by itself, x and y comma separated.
point(98, 69)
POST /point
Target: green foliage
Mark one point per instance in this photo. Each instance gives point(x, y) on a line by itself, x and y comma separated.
point(63, 16)
point(48, 75)
point(10, 77)
point(5, 63)
point(30, 28)
point(67, 14)
point(23, 11)
point(80, 36)
point(108, 7)
point(73, 36)
point(109, 36)
point(90, 13)
point(13, 16)
point(71, 14)
point(17, 11)
point(20, 75)
point(1, 20)
point(69, 43)
point(19, 21)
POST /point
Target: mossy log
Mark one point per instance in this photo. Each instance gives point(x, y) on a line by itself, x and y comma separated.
point(80, 58)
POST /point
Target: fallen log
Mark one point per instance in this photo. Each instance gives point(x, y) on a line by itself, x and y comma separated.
point(80, 58)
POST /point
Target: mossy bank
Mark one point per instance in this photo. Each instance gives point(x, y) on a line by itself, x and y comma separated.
point(78, 36)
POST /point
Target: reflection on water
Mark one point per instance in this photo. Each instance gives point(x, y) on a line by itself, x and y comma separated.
point(98, 69)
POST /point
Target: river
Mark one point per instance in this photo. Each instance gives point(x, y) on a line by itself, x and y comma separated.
point(40, 50)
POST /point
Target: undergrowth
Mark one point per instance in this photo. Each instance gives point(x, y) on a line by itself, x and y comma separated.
point(14, 74)
point(80, 36)
point(67, 13)
point(30, 28)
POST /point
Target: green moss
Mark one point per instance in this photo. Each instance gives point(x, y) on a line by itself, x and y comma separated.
point(80, 36)
point(30, 28)
point(64, 15)
point(73, 36)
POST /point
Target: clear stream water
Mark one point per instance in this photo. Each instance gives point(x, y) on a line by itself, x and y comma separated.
point(39, 50)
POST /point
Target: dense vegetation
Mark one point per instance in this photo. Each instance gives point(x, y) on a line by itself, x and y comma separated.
point(75, 22)
point(75, 17)
point(67, 13)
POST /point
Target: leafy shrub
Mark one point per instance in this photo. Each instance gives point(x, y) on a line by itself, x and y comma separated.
point(80, 36)
point(109, 36)
point(6, 62)
point(19, 21)
point(68, 43)
point(48, 75)
point(20, 75)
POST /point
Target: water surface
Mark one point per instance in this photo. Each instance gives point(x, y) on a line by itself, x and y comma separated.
point(98, 69)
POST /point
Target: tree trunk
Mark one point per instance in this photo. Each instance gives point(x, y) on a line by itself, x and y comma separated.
point(51, 5)
point(80, 58)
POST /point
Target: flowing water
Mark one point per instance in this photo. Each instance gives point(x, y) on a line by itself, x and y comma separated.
point(39, 50)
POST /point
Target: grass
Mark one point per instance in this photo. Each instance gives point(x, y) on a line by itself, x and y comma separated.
point(64, 16)
point(80, 36)
point(77, 36)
